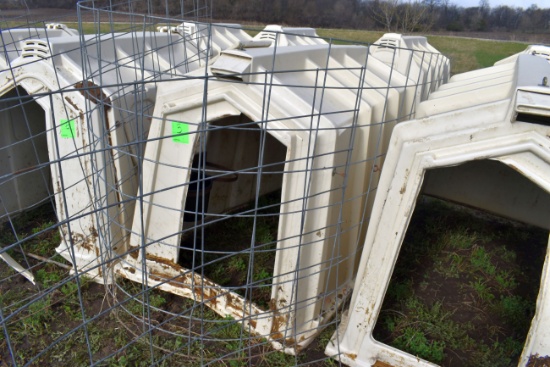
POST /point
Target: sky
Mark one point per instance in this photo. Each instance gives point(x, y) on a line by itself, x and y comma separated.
point(494, 3)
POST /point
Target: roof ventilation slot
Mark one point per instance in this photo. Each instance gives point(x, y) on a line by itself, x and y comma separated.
point(167, 29)
point(546, 55)
point(35, 49)
point(533, 105)
point(55, 26)
point(387, 42)
point(232, 65)
point(267, 36)
point(188, 29)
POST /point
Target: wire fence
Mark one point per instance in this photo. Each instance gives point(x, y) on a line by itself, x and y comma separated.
point(178, 192)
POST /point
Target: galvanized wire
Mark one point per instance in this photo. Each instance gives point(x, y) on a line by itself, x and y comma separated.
point(254, 256)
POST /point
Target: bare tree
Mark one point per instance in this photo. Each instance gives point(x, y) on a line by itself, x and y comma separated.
point(385, 12)
point(534, 19)
point(484, 6)
point(505, 18)
point(414, 17)
point(432, 4)
point(404, 16)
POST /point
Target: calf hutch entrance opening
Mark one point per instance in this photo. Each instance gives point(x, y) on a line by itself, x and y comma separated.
point(233, 240)
point(465, 284)
point(24, 162)
point(27, 214)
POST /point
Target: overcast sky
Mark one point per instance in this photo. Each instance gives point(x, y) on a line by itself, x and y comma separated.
point(494, 3)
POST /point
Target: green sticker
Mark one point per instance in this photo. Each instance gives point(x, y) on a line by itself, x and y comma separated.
point(67, 129)
point(180, 130)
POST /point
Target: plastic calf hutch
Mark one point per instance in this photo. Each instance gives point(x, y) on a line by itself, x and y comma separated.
point(485, 146)
point(310, 123)
point(232, 36)
point(69, 139)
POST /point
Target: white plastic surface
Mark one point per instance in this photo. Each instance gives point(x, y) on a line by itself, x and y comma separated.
point(215, 37)
point(475, 127)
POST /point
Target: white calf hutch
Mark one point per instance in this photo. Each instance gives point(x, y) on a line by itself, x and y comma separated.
point(309, 122)
point(484, 145)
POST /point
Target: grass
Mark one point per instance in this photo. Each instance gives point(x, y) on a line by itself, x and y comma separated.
point(470, 54)
point(465, 54)
point(40, 317)
point(227, 250)
point(461, 293)
point(204, 337)
point(346, 35)
point(428, 329)
point(45, 323)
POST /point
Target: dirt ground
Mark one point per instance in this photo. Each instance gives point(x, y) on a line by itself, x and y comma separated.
point(537, 361)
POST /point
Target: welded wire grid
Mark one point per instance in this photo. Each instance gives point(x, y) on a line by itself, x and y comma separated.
point(164, 203)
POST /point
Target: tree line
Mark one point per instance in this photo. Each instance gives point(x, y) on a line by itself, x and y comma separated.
point(388, 15)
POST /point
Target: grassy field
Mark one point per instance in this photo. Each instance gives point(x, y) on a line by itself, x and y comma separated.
point(471, 54)
point(462, 294)
point(465, 53)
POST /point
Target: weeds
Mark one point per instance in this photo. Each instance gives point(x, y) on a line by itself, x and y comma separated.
point(238, 264)
point(460, 295)
point(228, 247)
point(482, 290)
point(416, 342)
point(481, 261)
point(48, 276)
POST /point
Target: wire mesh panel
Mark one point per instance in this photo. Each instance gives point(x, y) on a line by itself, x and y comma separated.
point(180, 192)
